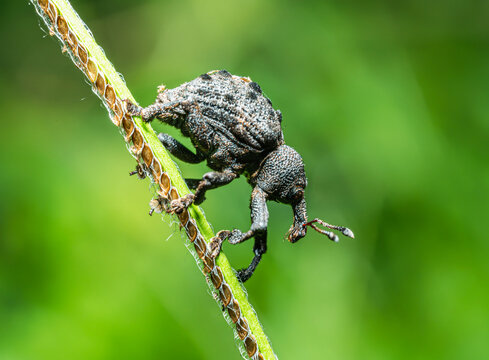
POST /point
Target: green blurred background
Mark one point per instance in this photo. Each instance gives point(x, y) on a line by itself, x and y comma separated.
point(386, 101)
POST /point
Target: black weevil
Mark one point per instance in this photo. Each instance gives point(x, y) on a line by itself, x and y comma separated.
point(234, 127)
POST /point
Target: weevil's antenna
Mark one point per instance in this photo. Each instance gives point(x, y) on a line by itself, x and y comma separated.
point(331, 235)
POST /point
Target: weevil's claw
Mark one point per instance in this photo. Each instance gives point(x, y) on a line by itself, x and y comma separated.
point(132, 109)
point(156, 206)
point(139, 171)
point(179, 205)
point(243, 275)
point(215, 244)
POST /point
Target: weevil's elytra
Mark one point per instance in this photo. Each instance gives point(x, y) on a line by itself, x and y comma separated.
point(255, 87)
point(236, 130)
point(205, 77)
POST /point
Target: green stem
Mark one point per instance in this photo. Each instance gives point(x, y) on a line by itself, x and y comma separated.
point(65, 23)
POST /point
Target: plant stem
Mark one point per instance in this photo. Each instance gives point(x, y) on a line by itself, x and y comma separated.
point(154, 160)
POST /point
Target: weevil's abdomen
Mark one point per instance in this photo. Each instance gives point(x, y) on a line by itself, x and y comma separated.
point(228, 107)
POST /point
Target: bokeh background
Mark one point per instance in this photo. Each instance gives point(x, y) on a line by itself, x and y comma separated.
point(386, 101)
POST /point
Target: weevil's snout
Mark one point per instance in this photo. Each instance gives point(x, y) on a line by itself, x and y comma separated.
point(298, 229)
point(297, 232)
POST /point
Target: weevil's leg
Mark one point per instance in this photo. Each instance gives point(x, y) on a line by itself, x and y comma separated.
point(193, 183)
point(139, 171)
point(210, 180)
point(178, 150)
point(259, 249)
point(259, 218)
point(163, 111)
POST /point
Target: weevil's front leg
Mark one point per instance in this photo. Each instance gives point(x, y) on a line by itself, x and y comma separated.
point(163, 111)
point(259, 218)
point(192, 183)
point(259, 249)
point(210, 180)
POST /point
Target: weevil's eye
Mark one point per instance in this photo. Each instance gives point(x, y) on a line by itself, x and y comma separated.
point(295, 194)
point(299, 194)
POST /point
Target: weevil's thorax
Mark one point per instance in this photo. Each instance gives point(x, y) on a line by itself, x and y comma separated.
point(168, 96)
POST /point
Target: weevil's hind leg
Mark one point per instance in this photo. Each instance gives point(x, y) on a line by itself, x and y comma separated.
point(178, 150)
point(210, 180)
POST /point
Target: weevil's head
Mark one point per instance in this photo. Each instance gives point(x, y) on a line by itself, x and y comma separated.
point(282, 176)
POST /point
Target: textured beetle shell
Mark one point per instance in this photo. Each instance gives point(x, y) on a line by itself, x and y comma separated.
point(281, 174)
point(228, 118)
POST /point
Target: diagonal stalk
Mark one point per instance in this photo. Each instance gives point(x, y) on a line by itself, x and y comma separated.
point(153, 159)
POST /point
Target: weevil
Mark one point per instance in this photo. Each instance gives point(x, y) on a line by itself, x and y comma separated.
point(234, 127)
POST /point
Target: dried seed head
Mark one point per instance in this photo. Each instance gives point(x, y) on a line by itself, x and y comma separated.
point(100, 84)
point(164, 184)
point(43, 4)
point(51, 12)
point(208, 263)
point(110, 96)
point(250, 345)
point(174, 194)
point(117, 118)
point(225, 294)
point(200, 247)
point(216, 277)
point(147, 155)
point(82, 54)
point(62, 27)
point(137, 138)
point(92, 70)
point(183, 217)
point(234, 311)
point(192, 231)
point(242, 328)
point(156, 170)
